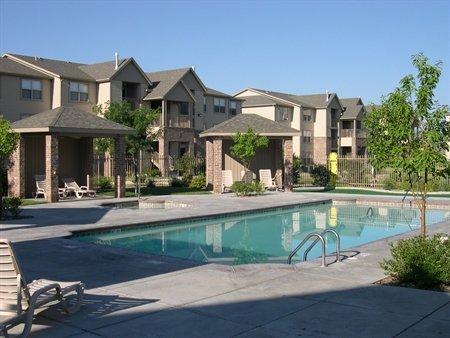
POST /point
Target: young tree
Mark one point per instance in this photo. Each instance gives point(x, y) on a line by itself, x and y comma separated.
point(408, 132)
point(245, 146)
point(140, 119)
point(8, 143)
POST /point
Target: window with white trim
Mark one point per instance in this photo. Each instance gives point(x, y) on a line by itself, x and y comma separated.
point(78, 92)
point(283, 113)
point(219, 105)
point(307, 136)
point(31, 89)
point(307, 116)
point(233, 107)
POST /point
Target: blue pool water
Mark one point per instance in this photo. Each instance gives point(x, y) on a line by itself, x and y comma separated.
point(267, 236)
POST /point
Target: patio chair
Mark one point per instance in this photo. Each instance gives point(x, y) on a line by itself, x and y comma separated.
point(265, 177)
point(227, 180)
point(19, 300)
point(72, 187)
point(40, 186)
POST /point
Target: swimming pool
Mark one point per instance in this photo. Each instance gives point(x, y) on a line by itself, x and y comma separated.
point(263, 236)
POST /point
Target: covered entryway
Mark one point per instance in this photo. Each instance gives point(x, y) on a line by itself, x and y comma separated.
point(278, 156)
point(59, 144)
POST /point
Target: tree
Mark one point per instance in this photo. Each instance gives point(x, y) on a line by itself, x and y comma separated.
point(408, 132)
point(140, 119)
point(8, 143)
point(245, 146)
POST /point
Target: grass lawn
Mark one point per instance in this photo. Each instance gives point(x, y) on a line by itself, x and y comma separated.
point(156, 191)
point(32, 201)
point(363, 192)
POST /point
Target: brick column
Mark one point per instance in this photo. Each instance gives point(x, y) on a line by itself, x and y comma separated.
point(163, 149)
point(87, 161)
point(16, 170)
point(288, 164)
point(278, 149)
point(217, 166)
point(51, 168)
point(209, 158)
point(119, 166)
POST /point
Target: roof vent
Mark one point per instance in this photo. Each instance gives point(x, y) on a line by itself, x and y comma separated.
point(193, 68)
point(36, 58)
point(116, 55)
point(327, 95)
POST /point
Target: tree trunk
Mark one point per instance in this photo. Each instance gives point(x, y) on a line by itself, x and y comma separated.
point(423, 208)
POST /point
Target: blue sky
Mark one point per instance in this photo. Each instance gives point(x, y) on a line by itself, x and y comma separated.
point(354, 48)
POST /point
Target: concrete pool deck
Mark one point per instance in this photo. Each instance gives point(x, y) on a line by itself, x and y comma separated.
point(130, 294)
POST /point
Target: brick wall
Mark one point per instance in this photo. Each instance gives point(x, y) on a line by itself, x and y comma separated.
point(217, 166)
point(16, 171)
point(209, 163)
point(51, 168)
point(320, 150)
point(288, 155)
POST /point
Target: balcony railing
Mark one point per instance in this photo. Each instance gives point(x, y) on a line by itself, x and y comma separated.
point(180, 121)
point(346, 133)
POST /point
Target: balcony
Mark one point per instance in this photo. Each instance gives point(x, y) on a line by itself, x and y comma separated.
point(334, 143)
point(346, 133)
point(179, 121)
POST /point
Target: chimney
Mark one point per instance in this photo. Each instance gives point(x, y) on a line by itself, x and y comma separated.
point(326, 93)
point(117, 59)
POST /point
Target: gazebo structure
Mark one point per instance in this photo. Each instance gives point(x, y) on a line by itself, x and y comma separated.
point(58, 143)
point(278, 156)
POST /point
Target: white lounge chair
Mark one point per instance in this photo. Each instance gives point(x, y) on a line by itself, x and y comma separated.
point(40, 186)
point(72, 186)
point(227, 180)
point(265, 177)
point(19, 300)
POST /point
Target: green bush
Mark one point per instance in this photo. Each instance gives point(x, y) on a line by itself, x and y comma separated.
point(422, 261)
point(151, 172)
point(247, 189)
point(389, 184)
point(198, 182)
point(177, 182)
point(320, 175)
point(296, 164)
point(11, 206)
point(104, 183)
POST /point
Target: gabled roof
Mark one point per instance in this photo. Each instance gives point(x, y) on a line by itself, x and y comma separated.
point(58, 68)
point(8, 66)
point(371, 107)
point(353, 108)
point(213, 92)
point(102, 71)
point(261, 101)
point(163, 82)
point(317, 100)
point(69, 120)
point(241, 123)
point(289, 98)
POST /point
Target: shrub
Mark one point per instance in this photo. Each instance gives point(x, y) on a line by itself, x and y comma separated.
point(151, 172)
point(104, 183)
point(296, 164)
point(247, 189)
point(320, 175)
point(198, 182)
point(389, 184)
point(177, 182)
point(422, 261)
point(11, 206)
point(186, 165)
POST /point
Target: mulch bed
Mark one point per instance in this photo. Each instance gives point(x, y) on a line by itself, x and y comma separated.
point(394, 282)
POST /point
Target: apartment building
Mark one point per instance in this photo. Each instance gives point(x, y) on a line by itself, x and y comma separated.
point(352, 137)
point(29, 85)
point(316, 117)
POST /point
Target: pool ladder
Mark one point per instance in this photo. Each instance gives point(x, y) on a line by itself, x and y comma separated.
point(320, 236)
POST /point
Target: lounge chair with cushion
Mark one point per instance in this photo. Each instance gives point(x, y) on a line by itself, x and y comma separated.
point(19, 300)
point(265, 177)
point(40, 186)
point(227, 180)
point(72, 187)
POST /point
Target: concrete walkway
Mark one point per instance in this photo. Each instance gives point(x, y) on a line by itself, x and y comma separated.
point(131, 294)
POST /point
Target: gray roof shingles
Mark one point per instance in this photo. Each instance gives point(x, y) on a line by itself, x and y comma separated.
point(286, 97)
point(213, 92)
point(103, 70)
point(259, 100)
point(164, 81)
point(241, 123)
point(353, 108)
point(70, 118)
point(8, 66)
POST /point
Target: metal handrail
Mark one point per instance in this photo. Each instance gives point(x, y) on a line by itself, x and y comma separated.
point(323, 234)
point(319, 238)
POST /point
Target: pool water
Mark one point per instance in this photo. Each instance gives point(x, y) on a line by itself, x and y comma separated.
point(262, 237)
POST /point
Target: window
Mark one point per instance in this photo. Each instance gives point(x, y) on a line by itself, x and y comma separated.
point(78, 92)
point(204, 104)
point(358, 125)
point(219, 105)
point(307, 158)
point(282, 113)
point(306, 136)
point(31, 89)
point(233, 107)
point(184, 108)
point(307, 116)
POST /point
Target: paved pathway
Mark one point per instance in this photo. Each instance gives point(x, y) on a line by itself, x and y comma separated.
point(131, 294)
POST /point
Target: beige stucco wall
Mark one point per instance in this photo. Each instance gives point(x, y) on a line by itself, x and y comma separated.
point(13, 107)
point(104, 93)
point(267, 111)
point(346, 141)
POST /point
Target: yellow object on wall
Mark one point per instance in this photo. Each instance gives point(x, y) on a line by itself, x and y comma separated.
point(333, 167)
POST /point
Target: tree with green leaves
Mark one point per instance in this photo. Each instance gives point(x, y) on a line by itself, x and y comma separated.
point(408, 132)
point(245, 146)
point(140, 119)
point(8, 143)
